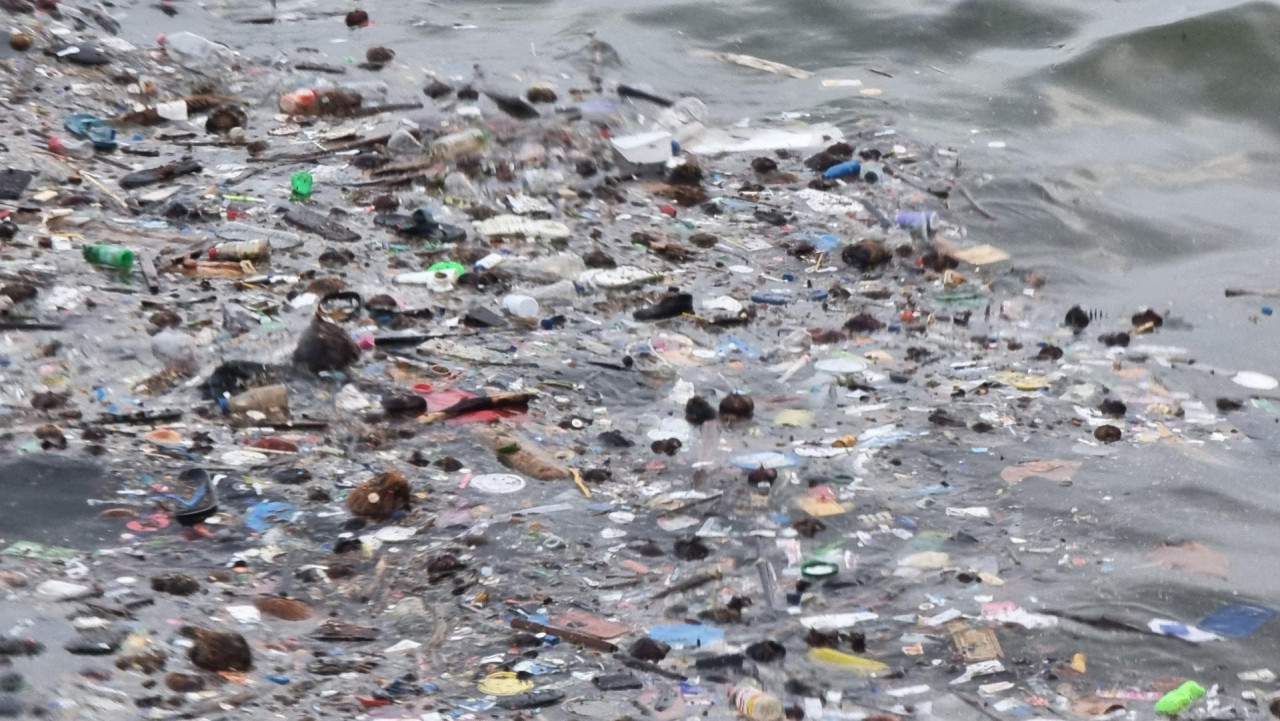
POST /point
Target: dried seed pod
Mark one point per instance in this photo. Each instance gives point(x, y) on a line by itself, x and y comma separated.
point(379, 497)
point(736, 406)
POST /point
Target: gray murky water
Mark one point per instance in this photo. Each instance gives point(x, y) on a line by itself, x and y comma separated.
point(1139, 137)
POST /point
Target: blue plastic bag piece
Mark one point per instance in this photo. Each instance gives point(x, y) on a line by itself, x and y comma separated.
point(768, 459)
point(824, 242)
point(737, 344)
point(262, 516)
point(1236, 620)
point(685, 634)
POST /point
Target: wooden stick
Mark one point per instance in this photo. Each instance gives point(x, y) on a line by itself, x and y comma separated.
point(582, 639)
point(148, 267)
point(99, 184)
point(700, 580)
point(1261, 292)
point(976, 205)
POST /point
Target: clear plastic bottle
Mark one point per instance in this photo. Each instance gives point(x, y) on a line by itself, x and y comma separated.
point(197, 53)
point(241, 250)
point(71, 147)
point(557, 293)
point(402, 143)
point(686, 119)
point(550, 268)
point(754, 703)
point(463, 142)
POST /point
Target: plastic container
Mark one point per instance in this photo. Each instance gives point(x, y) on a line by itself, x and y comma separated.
point(644, 148)
point(753, 703)
point(463, 142)
point(490, 261)
point(241, 250)
point(520, 306)
point(847, 169)
point(112, 255)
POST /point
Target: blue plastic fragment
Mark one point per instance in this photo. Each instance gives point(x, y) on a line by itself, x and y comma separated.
point(1236, 620)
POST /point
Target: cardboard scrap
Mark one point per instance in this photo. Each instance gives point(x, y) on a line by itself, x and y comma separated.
point(1054, 469)
point(984, 254)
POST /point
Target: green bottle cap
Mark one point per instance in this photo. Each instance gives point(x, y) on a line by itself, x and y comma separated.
point(448, 265)
point(301, 182)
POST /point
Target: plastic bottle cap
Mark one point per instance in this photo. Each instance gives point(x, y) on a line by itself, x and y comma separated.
point(816, 570)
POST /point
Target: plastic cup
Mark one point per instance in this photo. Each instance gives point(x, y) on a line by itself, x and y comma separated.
point(520, 306)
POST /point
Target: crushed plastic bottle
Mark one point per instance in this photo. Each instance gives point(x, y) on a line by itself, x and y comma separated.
point(197, 53)
point(686, 119)
point(463, 142)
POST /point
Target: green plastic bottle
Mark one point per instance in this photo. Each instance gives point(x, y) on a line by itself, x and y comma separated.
point(1179, 698)
point(113, 255)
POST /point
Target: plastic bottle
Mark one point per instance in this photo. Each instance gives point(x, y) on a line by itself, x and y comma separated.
point(241, 250)
point(197, 53)
point(520, 306)
point(540, 181)
point(113, 255)
point(856, 664)
point(402, 143)
point(319, 101)
point(754, 703)
point(175, 348)
point(267, 400)
point(460, 143)
point(550, 268)
point(458, 185)
point(71, 147)
point(847, 169)
point(921, 222)
point(1178, 699)
point(489, 261)
point(557, 293)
